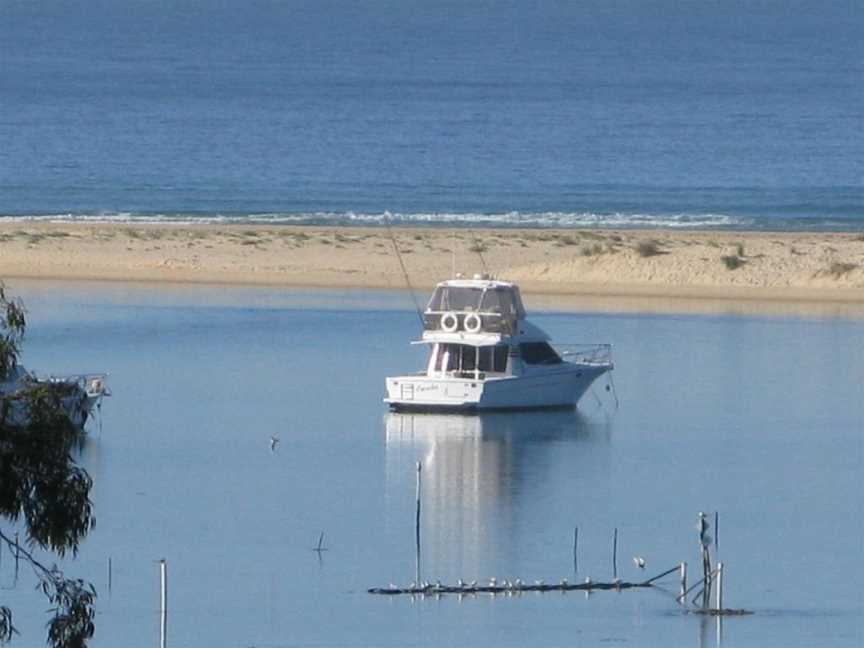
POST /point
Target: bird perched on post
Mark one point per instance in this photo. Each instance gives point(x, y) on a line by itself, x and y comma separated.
point(274, 441)
point(639, 561)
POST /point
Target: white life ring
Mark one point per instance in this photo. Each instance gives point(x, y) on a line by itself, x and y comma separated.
point(472, 323)
point(449, 322)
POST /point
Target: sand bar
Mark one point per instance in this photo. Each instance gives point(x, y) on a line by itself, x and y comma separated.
point(635, 267)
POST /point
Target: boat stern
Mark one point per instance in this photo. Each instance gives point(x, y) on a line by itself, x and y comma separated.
point(419, 392)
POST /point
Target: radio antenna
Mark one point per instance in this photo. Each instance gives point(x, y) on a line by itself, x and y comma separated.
point(477, 246)
point(404, 271)
point(453, 256)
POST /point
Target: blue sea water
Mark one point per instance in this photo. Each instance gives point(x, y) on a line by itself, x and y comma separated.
point(700, 114)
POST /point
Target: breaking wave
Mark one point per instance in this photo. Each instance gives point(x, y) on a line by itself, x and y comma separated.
point(432, 219)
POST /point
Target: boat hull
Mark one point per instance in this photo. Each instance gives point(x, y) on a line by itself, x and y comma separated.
point(83, 394)
point(561, 388)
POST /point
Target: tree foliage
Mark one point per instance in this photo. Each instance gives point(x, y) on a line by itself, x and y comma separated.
point(44, 493)
point(12, 325)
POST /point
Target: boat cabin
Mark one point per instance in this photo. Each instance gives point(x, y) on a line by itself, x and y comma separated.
point(479, 362)
point(474, 305)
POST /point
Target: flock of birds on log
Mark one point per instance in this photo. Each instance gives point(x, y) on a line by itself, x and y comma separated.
point(493, 586)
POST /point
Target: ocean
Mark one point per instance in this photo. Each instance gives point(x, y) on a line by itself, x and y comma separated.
point(567, 114)
point(757, 418)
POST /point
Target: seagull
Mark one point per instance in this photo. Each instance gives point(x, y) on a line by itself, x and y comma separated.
point(639, 561)
point(702, 525)
point(274, 441)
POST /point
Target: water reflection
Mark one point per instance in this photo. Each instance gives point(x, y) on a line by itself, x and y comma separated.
point(710, 631)
point(486, 478)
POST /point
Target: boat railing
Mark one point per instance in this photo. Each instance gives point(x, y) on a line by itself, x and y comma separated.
point(490, 321)
point(94, 384)
point(592, 354)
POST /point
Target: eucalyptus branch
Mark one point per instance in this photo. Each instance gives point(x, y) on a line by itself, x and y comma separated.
point(28, 556)
point(72, 624)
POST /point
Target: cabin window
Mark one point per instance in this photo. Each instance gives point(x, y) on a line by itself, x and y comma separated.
point(461, 357)
point(493, 359)
point(499, 358)
point(453, 298)
point(503, 301)
point(538, 353)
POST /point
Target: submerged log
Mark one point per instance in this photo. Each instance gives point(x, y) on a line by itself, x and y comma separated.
point(723, 612)
point(504, 588)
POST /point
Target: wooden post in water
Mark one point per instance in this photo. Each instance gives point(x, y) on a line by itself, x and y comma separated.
point(683, 572)
point(163, 607)
point(417, 523)
point(615, 553)
point(716, 531)
point(109, 574)
point(704, 542)
point(575, 550)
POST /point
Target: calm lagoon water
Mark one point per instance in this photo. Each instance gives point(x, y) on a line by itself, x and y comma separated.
point(759, 418)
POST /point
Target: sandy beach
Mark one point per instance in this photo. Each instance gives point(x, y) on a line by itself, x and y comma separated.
point(702, 265)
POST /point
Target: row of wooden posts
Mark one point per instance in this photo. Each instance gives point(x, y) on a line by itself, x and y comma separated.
point(711, 581)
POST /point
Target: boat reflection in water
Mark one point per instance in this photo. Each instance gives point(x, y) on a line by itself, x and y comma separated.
point(490, 479)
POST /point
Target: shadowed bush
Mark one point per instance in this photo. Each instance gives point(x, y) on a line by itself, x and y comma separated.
point(648, 248)
point(839, 269)
point(732, 261)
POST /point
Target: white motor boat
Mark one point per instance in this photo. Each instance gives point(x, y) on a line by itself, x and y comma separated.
point(484, 355)
point(79, 395)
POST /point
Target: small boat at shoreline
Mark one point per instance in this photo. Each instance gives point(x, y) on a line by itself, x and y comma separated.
point(77, 395)
point(485, 355)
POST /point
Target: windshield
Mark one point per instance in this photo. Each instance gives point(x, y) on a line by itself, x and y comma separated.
point(501, 300)
point(450, 298)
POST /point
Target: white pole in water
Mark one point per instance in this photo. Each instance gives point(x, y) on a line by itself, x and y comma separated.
point(417, 523)
point(683, 571)
point(163, 610)
point(719, 586)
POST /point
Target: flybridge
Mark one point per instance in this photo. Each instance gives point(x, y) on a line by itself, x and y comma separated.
point(473, 306)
